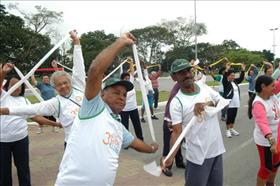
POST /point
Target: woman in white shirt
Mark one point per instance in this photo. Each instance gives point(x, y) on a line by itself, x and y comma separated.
point(231, 91)
point(14, 132)
point(150, 95)
point(130, 109)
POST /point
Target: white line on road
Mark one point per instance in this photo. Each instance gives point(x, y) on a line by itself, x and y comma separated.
point(239, 148)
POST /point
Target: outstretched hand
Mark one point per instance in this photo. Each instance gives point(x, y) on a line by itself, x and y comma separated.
point(74, 37)
point(128, 38)
point(243, 66)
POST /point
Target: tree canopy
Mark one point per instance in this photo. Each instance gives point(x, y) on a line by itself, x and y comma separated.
point(24, 41)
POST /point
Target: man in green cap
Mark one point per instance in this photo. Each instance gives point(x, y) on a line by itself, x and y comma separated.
point(91, 156)
point(204, 141)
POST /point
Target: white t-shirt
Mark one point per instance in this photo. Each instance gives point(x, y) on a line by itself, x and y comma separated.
point(272, 113)
point(131, 103)
point(148, 83)
point(221, 87)
point(65, 109)
point(13, 128)
point(204, 140)
point(235, 101)
point(91, 156)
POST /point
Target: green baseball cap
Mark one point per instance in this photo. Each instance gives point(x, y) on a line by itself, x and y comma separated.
point(115, 81)
point(178, 65)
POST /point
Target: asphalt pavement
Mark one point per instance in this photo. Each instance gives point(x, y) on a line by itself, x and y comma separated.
point(241, 160)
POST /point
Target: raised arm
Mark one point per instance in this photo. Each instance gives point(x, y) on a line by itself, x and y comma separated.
point(33, 80)
point(4, 70)
point(79, 74)
point(131, 67)
point(225, 80)
point(101, 63)
point(268, 64)
point(242, 74)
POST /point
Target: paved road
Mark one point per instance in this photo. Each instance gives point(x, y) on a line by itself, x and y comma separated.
point(240, 160)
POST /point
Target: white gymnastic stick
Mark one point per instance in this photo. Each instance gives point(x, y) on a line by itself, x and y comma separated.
point(120, 65)
point(181, 137)
point(210, 111)
point(29, 85)
point(13, 88)
point(65, 66)
point(143, 91)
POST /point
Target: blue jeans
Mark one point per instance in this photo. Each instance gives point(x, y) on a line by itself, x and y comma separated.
point(20, 152)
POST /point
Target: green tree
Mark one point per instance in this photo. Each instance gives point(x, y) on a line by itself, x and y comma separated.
point(269, 56)
point(230, 45)
point(15, 42)
point(42, 22)
point(93, 43)
point(183, 30)
point(41, 19)
point(151, 41)
point(245, 56)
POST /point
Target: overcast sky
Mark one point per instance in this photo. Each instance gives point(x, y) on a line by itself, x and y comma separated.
point(246, 22)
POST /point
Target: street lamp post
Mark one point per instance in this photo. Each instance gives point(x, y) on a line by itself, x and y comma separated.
point(195, 30)
point(273, 41)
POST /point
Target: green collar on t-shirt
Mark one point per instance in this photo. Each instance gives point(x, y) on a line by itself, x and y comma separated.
point(197, 90)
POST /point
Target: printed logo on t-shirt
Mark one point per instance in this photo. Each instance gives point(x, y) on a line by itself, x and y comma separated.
point(78, 98)
point(112, 141)
point(74, 112)
point(275, 110)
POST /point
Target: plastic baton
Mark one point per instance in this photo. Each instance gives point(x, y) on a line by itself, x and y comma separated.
point(143, 91)
point(13, 88)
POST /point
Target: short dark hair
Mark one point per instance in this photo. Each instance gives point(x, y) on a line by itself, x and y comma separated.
point(124, 74)
point(222, 70)
point(230, 71)
point(263, 79)
point(6, 86)
point(266, 67)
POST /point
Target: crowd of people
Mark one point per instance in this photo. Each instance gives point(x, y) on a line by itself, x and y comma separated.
point(95, 118)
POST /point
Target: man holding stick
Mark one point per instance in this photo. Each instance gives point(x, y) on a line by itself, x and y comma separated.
point(91, 157)
point(204, 143)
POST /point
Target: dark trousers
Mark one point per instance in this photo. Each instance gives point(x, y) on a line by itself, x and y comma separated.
point(166, 144)
point(156, 93)
point(210, 173)
point(231, 115)
point(251, 94)
point(224, 112)
point(20, 152)
point(134, 116)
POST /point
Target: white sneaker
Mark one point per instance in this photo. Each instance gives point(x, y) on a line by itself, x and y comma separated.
point(234, 132)
point(55, 129)
point(39, 130)
point(228, 134)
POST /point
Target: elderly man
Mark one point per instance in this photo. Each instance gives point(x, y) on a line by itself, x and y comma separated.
point(47, 92)
point(204, 142)
point(66, 104)
point(91, 157)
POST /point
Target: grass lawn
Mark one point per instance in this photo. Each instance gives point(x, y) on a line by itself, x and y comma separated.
point(163, 95)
